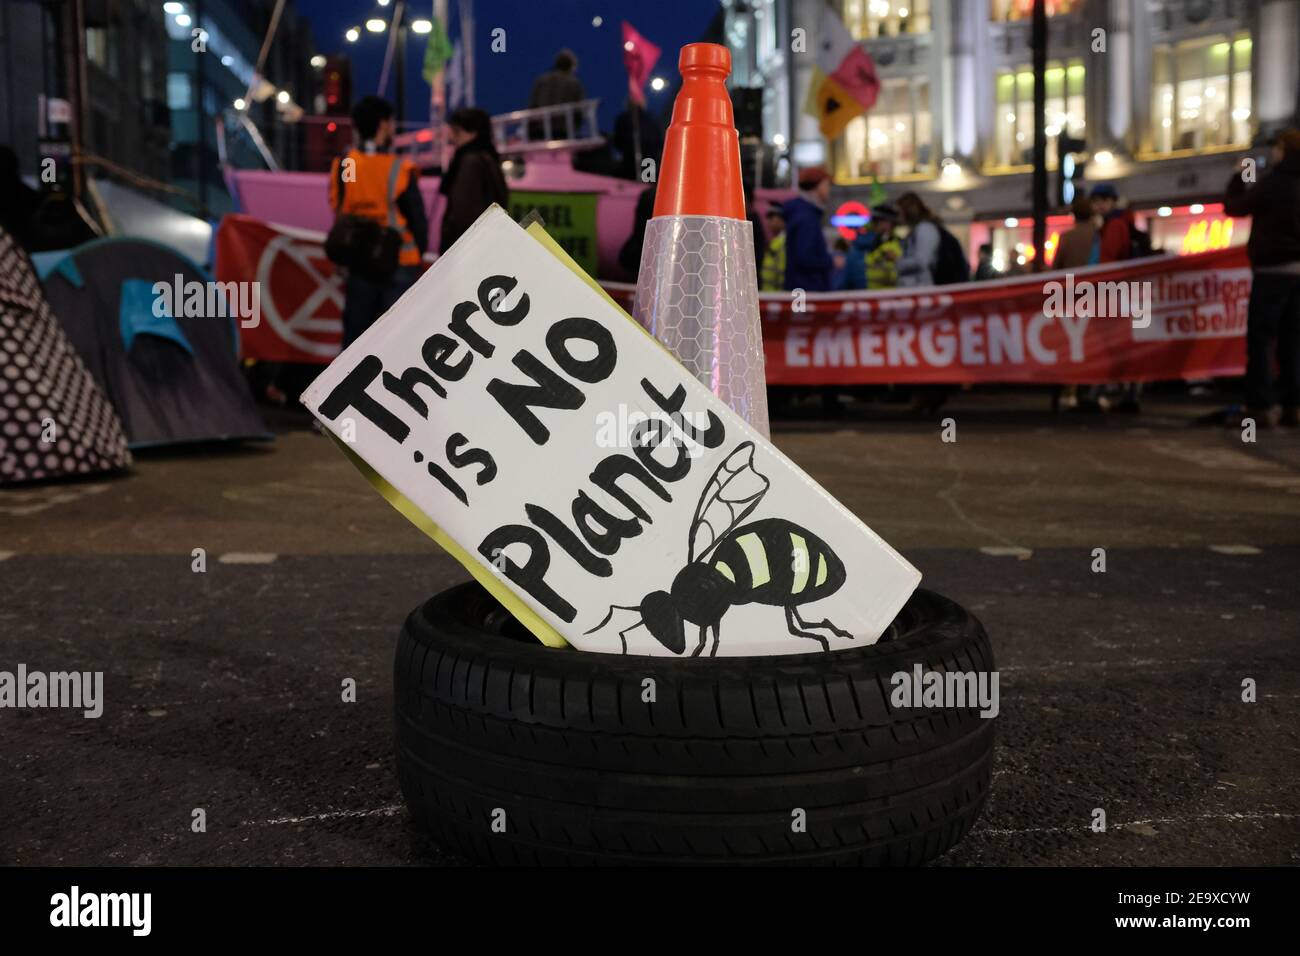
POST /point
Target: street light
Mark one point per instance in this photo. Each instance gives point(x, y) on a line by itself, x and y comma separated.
point(282, 96)
point(375, 25)
point(422, 26)
point(353, 35)
point(173, 8)
point(657, 84)
point(240, 104)
point(183, 20)
point(318, 61)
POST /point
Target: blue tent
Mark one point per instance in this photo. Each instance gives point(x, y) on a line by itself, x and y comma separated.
point(169, 368)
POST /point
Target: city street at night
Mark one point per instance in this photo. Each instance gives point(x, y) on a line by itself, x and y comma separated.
point(442, 440)
point(1119, 689)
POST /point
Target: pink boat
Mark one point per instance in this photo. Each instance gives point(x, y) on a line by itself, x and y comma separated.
point(299, 199)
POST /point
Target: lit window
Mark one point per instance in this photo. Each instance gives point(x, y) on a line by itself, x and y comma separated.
point(1014, 126)
point(1200, 94)
point(179, 91)
point(1024, 9)
point(101, 50)
point(884, 18)
point(893, 139)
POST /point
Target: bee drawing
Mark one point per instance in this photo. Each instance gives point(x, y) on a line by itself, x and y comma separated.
point(771, 561)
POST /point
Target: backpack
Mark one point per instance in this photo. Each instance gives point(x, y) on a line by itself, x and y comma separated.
point(366, 247)
point(950, 263)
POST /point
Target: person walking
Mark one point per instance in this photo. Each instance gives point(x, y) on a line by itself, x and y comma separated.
point(369, 182)
point(473, 180)
point(1116, 224)
point(808, 263)
point(1273, 316)
point(917, 265)
point(772, 272)
point(985, 269)
point(1078, 246)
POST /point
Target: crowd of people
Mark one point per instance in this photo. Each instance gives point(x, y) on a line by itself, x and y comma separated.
point(903, 244)
point(801, 256)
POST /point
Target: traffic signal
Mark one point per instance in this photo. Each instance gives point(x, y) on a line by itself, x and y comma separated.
point(1069, 167)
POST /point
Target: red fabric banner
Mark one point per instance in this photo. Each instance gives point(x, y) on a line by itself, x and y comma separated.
point(1163, 318)
point(301, 297)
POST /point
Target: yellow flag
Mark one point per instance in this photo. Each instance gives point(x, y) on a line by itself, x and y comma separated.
point(835, 107)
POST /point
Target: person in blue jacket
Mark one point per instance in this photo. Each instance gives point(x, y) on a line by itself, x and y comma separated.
point(808, 263)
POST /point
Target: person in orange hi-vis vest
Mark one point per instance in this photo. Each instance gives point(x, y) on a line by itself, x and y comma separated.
point(380, 186)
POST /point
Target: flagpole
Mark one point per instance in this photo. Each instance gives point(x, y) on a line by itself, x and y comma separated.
point(636, 139)
point(1038, 36)
point(467, 38)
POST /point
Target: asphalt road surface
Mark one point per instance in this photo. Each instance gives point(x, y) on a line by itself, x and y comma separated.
point(1120, 690)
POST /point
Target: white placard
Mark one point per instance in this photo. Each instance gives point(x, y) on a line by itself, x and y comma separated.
point(581, 465)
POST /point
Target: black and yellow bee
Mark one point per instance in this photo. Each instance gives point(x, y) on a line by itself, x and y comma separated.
point(771, 561)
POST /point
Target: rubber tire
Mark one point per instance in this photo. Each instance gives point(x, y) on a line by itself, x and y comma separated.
point(490, 721)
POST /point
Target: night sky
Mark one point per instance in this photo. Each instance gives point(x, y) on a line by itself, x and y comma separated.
point(535, 31)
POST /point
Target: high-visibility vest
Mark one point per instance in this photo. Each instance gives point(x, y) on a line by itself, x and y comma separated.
point(380, 179)
point(772, 275)
point(882, 264)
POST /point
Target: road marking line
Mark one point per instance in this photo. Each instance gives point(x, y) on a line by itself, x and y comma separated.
point(247, 557)
point(997, 551)
point(1234, 549)
point(385, 811)
point(1087, 828)
point(45, 498)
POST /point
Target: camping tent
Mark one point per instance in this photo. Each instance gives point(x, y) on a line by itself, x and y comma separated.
point(167, 363)
point(54, 420)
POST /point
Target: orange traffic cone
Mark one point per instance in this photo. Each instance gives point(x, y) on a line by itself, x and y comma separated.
point(697, 290)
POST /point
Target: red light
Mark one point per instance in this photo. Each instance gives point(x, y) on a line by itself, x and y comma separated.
point(332, 126)
point(853, 209)
point(424, 135)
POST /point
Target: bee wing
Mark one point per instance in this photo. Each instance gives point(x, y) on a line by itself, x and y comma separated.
point(732, 493)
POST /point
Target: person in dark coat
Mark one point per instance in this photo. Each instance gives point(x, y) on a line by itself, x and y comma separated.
point(808, 263)
point(1273, 204)
point(629, 257)
point(556, 87)
point(625, 139)
point(473, 180)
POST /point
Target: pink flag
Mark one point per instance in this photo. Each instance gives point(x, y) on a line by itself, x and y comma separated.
point(639, 56)
point(857, 74)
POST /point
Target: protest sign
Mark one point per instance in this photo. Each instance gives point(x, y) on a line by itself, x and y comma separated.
point(586, 478)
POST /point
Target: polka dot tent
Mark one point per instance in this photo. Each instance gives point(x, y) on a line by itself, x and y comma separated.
point(54, 420)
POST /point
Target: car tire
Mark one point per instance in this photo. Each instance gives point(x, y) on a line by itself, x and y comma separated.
point(509, 752)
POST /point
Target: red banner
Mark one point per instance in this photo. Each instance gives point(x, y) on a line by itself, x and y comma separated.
point(1164, 318)
point(301, 297)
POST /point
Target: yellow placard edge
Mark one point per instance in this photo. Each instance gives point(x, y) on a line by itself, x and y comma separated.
point(407, 508)
point(509, 600)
